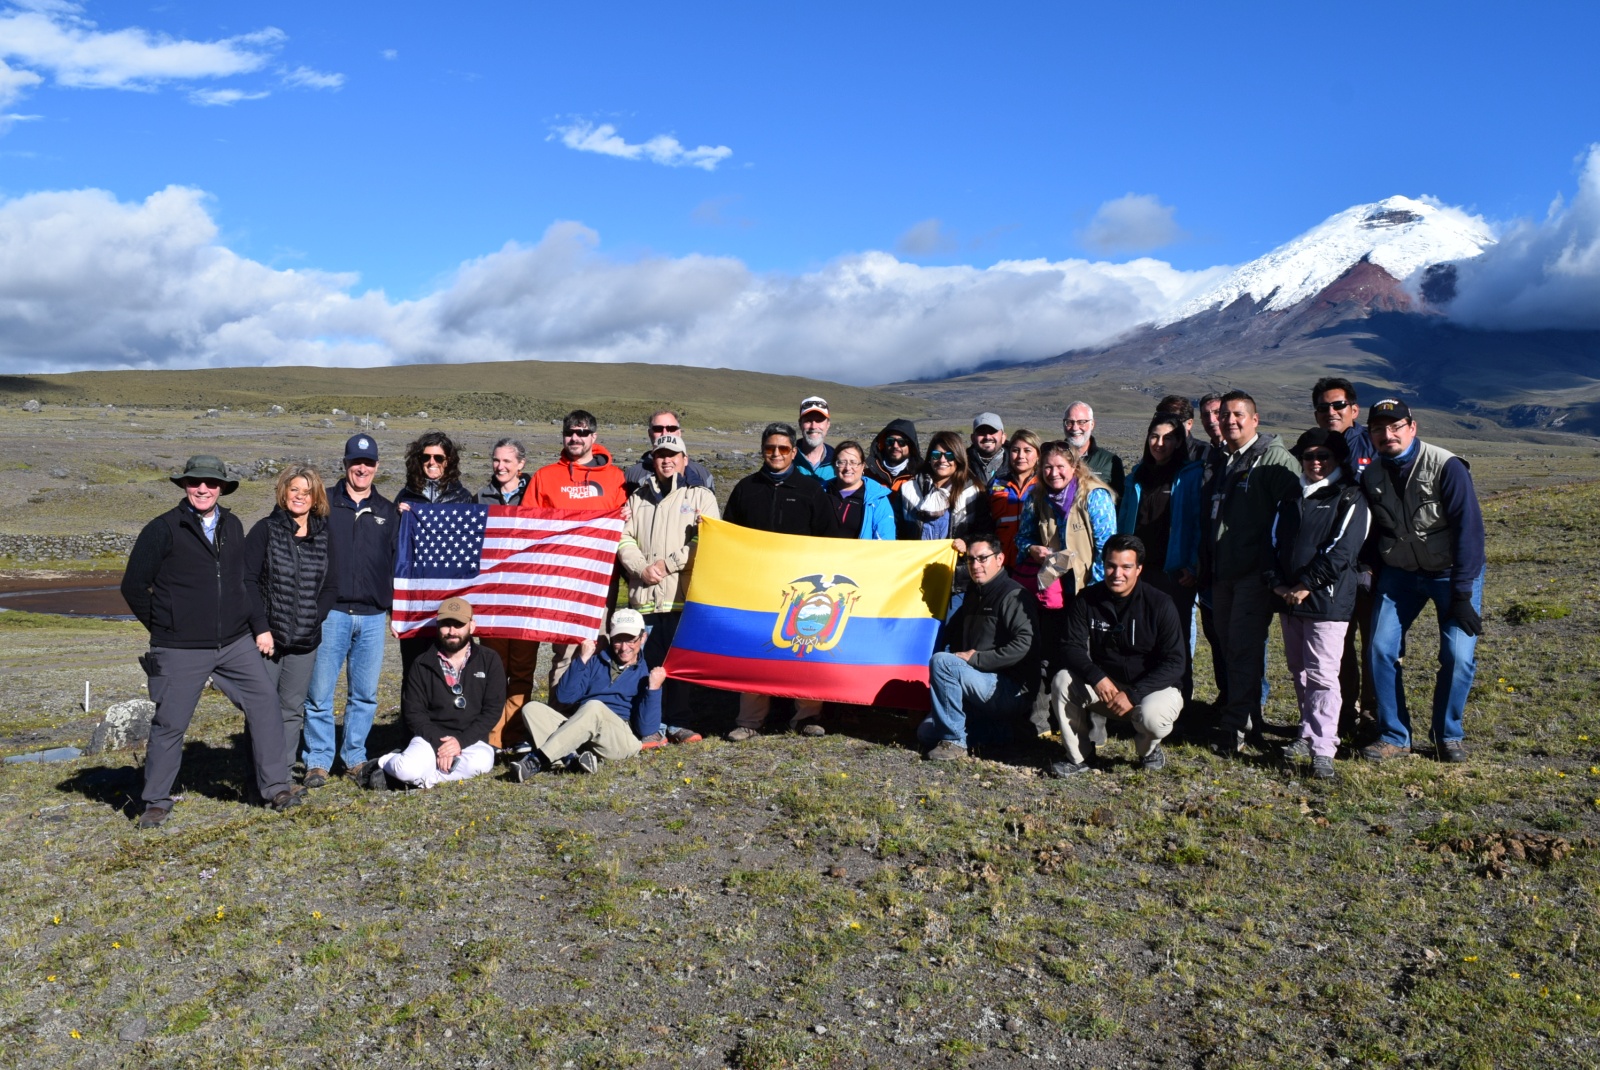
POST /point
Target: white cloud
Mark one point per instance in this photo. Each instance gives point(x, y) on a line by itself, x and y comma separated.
point(87, 281)
point(306, 78)
point(662, 149)
point(14, 83)
point(926, 238)
point(1540, 274)
point(211, 98)
point(390, 53)
point(1134, 222)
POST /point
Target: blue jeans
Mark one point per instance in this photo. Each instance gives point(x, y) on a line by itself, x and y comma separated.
point(962, 693)
point(357, 638)
point(1397, 598)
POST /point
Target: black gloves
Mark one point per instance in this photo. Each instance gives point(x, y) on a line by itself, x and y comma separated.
point(1465, 616)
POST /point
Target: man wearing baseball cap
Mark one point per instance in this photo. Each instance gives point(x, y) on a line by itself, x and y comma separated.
point(1429, 533)
point(814, 457)
point(185, 583)
point(364, 533)
point(618, 700)
point(986, 455)
point(451, 699)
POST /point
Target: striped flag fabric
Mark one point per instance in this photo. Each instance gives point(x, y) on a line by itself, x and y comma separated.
point(841, 620)
point(539, 574)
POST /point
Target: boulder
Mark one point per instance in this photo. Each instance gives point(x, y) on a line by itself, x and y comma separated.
point(122, 725)
point(31, 405)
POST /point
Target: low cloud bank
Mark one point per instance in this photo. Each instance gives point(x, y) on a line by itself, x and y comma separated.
point(87, 281)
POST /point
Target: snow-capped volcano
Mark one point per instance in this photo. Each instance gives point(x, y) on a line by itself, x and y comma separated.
point(1401, 235)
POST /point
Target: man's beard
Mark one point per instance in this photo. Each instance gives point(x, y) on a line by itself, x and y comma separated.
point(813, 439)
point(452, 644)
point(1079, 440)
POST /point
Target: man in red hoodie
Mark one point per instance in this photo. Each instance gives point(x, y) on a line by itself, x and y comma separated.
point(583, 480)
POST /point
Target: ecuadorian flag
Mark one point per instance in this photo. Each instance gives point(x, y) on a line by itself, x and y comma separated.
point(842, 620)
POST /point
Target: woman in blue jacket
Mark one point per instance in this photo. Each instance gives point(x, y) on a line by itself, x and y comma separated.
point(862, 505)
point(1161, 505)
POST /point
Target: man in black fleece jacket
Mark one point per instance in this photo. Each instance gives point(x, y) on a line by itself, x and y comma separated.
point(185, 581)
point(1125, 656)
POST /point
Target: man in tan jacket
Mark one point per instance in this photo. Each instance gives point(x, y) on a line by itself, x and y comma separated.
point(657, 552)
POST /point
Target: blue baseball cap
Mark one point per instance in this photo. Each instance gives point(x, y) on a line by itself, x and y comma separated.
point(360, 448)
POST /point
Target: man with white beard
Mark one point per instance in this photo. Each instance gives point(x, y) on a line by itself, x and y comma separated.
point(814, 456)
point(1078, 427)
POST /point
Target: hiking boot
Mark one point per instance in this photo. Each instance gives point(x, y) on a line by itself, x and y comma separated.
point(684, 735)
point(946, 751)
point(810, 728)
point(1062, 768)
point(740, 734)
point(361, 771)
point(1451, 750)
point(1322, 767)
point(584, 761)
point(1382, 752)
point(525, 769)
point(1155, 760)
point(153, 816)
point(370, 775)
point(288, 799)
point(315, 778)
point(1299, 750)
point(1226, 743)
point(653, 740)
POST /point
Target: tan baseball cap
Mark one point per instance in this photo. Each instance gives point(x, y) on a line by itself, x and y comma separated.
point(454, 609)
point(626, 622)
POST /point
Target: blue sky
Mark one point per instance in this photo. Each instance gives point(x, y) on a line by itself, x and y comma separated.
point(399, 142)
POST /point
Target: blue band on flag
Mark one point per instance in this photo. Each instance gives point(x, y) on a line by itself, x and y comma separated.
point(743, 633)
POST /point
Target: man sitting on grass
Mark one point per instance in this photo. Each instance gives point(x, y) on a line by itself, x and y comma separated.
point(1125, 657)
point(618, 700)
point(452, 698)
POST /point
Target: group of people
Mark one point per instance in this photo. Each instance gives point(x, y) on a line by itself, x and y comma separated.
point(1076, 608)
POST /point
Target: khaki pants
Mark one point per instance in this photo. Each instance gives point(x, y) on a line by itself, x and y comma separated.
point(753, 710)
point(592, 724)
point(519, 656)
point(1074, 704)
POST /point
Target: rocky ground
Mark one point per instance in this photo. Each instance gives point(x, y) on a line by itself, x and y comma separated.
point(832, 902)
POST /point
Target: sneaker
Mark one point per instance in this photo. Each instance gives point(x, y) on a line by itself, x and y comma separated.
point(1226, 743)
point(1382, 752)
point(945, 751)
point(740, 734)
point(1156, 759)
point(526, 768)
point(584, 761)
point(684, 735)
point(1322, 767)
point(1062, 768)
point(287, 799)
point(810, 728)
point(1299, 750)
point(653, 740)
point(315, 778)
point(153, 816)
point(370, 775)
point(1452, 751)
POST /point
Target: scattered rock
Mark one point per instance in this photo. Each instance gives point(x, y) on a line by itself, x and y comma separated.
point(31, 405)
point(384, 415)
point(1015, 1025)
point(122, 725)
point(1494, 852)
point(275, 410)
point(380, 426)
point(324, 422)
point(422, 415)
point(212, 413)
point(819, 1029)
point(339, 412)
point(837, 872)
point(59, 473)
point(518, 422)
point(134, 1030)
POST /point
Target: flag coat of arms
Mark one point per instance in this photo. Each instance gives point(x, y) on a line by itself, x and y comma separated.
point(840, 620)
point(540, 574)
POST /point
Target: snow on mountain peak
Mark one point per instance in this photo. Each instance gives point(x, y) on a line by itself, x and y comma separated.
point(1402, 235)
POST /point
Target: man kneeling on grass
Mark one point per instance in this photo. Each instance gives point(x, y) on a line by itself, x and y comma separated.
point(452, 698)
point(1125, 657)
point(618, 700)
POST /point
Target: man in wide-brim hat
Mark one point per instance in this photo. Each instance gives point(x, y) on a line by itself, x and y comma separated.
point(185, 582)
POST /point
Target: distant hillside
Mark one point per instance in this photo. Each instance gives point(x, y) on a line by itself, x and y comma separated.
point(532, 390)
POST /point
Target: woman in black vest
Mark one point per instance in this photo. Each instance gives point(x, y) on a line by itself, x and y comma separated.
point(289, 579)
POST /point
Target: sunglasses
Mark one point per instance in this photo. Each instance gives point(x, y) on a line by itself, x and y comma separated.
point(1318, 456)
point(940, 455)
point(578, 432)
point(461, 700)
point(209, 484)
point(664, 429)
point(1332, 406)
point(435, 458)
point(777, 451)
point(895, 440)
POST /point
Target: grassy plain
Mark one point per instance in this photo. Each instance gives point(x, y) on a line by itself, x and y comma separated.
point(791, 902)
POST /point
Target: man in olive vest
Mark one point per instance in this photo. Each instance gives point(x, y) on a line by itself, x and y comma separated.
point(1429, 533)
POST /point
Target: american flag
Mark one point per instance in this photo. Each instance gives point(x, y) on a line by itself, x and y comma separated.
point(539, 574)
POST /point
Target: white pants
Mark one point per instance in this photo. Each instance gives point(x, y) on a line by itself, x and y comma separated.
point(418, 765)
point(1073, 705)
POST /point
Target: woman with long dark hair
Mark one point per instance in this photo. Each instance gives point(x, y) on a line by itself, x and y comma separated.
point(943, 502)
point(433, 472)
point(1162, 507)
point(290, 581)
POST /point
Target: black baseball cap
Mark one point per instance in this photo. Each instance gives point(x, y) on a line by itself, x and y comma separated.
point(360, 448)
point(1389, 410)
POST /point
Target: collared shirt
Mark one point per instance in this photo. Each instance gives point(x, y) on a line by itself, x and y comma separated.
point(1234, 455)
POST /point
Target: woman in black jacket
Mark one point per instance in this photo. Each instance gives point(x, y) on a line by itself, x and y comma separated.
point(433, 472)
point(1316, 540)
point(289, 580)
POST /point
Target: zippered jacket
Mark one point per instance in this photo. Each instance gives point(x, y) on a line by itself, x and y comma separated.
point(428, 706)
point(1316, 541)
point(366, 538)
point(1183, 512)
point(291, 580)
point(793, 505)
point(1240, 504)
point(188, 592)
point(663, 525)
point(491, 495)
point(1136, 640)
point(629, 695)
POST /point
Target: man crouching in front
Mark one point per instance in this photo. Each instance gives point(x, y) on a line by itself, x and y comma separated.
point(452, 698)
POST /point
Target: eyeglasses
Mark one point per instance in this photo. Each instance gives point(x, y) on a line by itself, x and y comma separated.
point(461, 700)
point(1076, 423)
point(209, 484)
point(1333, 406)
point(940, 455)
point(978, 559)
point(664, 429)
point(578, 432)
point(1318, 456)
point(840, 462)
point(895, 440)
point(777, 451)
point(434, 458)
